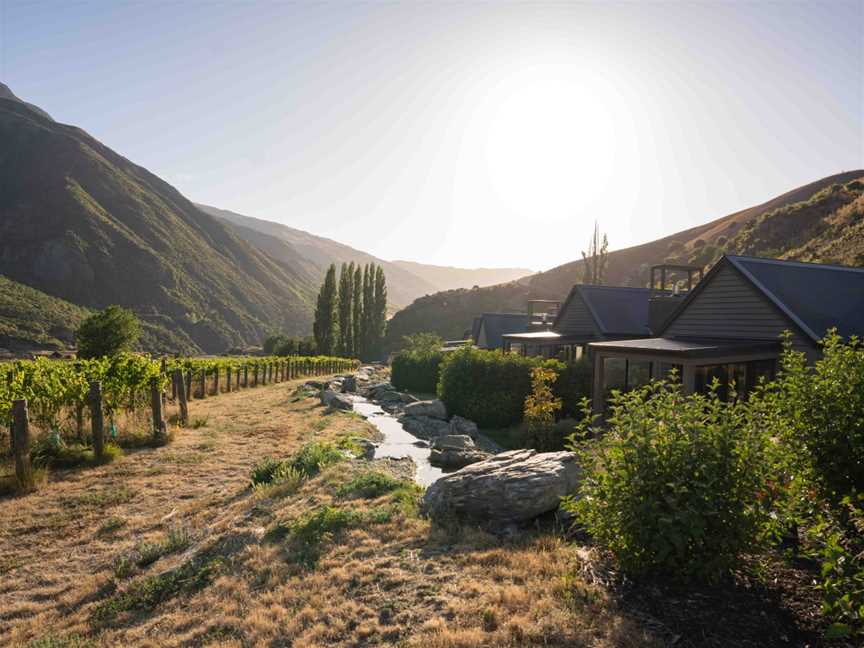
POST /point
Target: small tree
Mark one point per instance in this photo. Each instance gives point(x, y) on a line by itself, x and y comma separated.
point(596, 259)
point(541, 408)
point(107, 333)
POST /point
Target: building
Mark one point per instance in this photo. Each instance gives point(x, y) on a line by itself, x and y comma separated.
point(729, 326)
point(493, 326)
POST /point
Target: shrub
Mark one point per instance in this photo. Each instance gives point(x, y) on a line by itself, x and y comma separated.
point(416, 372)
point(672, 486)
point(308, 462)
point(490, 387)
point(369, 485)
point(108, 333)
point(540, 410)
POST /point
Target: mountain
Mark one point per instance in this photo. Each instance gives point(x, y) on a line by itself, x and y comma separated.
point(448, 278)
point(316, 253)
point(81, 223)
point(6, 93)
point(406, 280)
point(822, 221)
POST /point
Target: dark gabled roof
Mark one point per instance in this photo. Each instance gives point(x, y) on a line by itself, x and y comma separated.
point(616, 310)
point(812, 296)
point(497, 324)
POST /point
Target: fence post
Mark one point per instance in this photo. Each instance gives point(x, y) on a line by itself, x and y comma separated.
point(188, 385)
point(159, 430)
point(181, 397)
point(203, 383)
point(255, 376)
point(21, 446)
point(97, 423)
point(228, 378)
point(216, 382)
point(245, 375)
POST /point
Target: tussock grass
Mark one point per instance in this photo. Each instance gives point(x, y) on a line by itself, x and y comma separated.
point(48, 454)
point(370, 484)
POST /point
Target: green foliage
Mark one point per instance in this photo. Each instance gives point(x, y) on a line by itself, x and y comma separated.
point(107, 333)
point(490, 387)
point(326, 325)
point(416, 366)
point(177, 539)
point(283, 345)
point(370, 485)
point(673, 486)
point(346, 346)
point(307, 534)
point(307, 462)
point(541, 408)
point(27, 314)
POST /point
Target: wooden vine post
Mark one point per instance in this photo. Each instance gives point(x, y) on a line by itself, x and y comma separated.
point(216, 382)
point(228, 378)
point(245, 375)
point(159, 428)
point(181, 397)
point(21, 446)
point(203, 383)
point(97, 423)
point(189, 385)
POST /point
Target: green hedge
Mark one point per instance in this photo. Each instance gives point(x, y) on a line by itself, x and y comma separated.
point(489, 387)
point(417, 372)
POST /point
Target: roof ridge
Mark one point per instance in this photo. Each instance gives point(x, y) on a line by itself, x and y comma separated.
point(793, 262)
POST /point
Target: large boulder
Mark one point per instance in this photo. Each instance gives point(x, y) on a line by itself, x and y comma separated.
point(336, 400)
point(424, 427)
point(460, 426)
point(430, 408)
point(349, 384)
point(453, 459)
point(509, 487)
point(453, 442)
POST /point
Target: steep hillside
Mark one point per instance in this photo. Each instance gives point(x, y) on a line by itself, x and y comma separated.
point(81, 223)
point(449, 278)
point(821, 221)
point(29, 318)
point(629, 266)
point(316, 253)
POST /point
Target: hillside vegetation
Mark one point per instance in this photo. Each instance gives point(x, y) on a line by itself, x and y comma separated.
point(820, 222)
point(29, 317)
point(83, 224)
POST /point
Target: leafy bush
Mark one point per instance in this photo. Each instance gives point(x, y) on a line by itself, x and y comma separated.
point(540, 410)
point(490, 387)
point(416, 372)
point(108, 333)
point(672, 487)
point(308, 462)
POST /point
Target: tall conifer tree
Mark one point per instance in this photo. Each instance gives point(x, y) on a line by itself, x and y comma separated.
point(326, 325)
point(346, 295)
point(357, 312)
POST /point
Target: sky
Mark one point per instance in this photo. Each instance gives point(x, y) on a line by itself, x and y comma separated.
point(458, 133)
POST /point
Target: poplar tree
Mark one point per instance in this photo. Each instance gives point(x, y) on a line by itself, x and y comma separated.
point(326, 325)
point(596, 259)
point(345, 347)
point(379, 311)
point(356, 311)
point(368, 308)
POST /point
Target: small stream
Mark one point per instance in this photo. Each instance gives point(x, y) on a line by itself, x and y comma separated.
point(397, 442)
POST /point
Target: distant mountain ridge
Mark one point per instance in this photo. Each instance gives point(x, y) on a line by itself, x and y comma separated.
point(821, 221)
point(449, 278)
point(316, 253)
point(406, 280)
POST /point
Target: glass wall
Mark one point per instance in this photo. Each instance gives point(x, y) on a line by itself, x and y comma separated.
point(624, 374)
point(734, 380)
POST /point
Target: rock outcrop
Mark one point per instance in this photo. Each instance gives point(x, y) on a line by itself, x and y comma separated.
point(455, 451)
point(431, 408)
point(509, 487)
point(336, 400)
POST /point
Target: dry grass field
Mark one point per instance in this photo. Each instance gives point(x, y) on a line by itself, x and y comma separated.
point(170, 546)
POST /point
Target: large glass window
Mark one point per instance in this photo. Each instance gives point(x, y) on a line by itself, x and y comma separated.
point(624, 374)
point(744, 376)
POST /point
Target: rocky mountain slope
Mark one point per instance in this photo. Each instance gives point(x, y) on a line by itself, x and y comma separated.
point(822, 221)
point(81, 223)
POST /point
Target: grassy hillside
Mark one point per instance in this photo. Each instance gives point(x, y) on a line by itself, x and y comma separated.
point(29, 317)
point(316, 253)
point(88, 226)
point(821, 221)
point(449, 278)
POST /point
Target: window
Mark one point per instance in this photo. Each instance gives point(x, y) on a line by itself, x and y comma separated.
point(744, 375)
point(624, 374)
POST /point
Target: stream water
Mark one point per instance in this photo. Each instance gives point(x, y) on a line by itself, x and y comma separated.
point(398, 443)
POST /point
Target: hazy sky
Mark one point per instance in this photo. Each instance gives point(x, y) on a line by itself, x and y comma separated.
point(458, 133)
